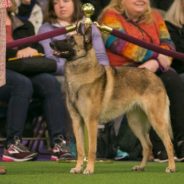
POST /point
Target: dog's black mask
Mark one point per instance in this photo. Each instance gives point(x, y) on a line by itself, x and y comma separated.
point(64, 48)
point(73, 47)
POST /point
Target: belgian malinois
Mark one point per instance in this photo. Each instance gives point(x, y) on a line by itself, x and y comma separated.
point(97, 93)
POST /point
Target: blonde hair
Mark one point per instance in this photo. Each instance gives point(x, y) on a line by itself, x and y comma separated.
point(13, 7)
point(175, 14)
point(119, 8)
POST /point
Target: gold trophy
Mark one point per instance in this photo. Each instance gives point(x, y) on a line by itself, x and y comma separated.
point(88, 10)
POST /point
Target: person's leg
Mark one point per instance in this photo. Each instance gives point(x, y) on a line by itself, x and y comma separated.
point(17, 92)
point(175, 91)
point(48, 88)
point(20, 89)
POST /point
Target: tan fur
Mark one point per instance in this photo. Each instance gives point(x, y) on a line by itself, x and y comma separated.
point(97, 93)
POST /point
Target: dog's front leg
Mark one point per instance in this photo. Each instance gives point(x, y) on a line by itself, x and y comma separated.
point(79, 136)
point(78, 128)
point(92, 144)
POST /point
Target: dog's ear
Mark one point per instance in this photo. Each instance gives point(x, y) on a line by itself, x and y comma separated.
point(86, 32)
point(80, 29)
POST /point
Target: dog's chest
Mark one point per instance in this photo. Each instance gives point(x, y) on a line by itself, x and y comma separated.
point(84, 86)
point(72, 89)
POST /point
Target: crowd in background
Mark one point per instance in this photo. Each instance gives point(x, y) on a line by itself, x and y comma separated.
point(30, 17)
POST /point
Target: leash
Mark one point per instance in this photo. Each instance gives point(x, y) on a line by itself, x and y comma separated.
point(39, 37)
point(141, 43)
point(88, 10)
point(64, 30)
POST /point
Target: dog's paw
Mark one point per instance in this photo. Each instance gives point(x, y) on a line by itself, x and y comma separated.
point(137, 168)
point(76, 170)
point(88, 171)
point(168, 170)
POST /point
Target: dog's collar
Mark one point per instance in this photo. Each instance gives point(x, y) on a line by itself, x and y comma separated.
point(75, 57)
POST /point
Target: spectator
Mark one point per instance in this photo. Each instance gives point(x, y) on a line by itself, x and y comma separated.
point(19, 91)
point(3, 5)
point(55, 19)
point(175, 24)
point(30, 10)
point(137, 19)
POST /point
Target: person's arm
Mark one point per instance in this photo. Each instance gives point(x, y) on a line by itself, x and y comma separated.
point(26, 30)
point(120, 46)
point(99, 47)
point(49, 52)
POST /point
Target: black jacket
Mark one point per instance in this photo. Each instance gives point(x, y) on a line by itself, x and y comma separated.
point(161, 4)
point(23, 30)
point(177, 35)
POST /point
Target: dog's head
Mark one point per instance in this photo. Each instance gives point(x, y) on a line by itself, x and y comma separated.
point(64, 48)
point(72, 47)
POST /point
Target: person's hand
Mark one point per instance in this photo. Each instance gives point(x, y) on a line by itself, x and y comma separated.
point(27, 52)
point(151, 65)
point(164, 61)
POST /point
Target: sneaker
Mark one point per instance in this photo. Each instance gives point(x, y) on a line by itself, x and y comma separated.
point(18, 153)
point(161, 157)
point(121, 155)
point(60, 151)
point(180, 152)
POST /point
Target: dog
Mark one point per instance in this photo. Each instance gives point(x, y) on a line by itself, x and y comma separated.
point(96, 94)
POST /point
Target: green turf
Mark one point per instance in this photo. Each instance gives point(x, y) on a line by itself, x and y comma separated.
point(106, 173)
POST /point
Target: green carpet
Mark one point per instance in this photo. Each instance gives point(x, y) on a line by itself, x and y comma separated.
point(46, 172)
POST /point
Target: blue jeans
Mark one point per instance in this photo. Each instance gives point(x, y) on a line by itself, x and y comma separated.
point(18, 92)
point(48, 89)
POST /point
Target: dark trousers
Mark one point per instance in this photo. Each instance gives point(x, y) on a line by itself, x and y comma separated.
point(18, 92)
point(47, 88)
point(175, 90)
